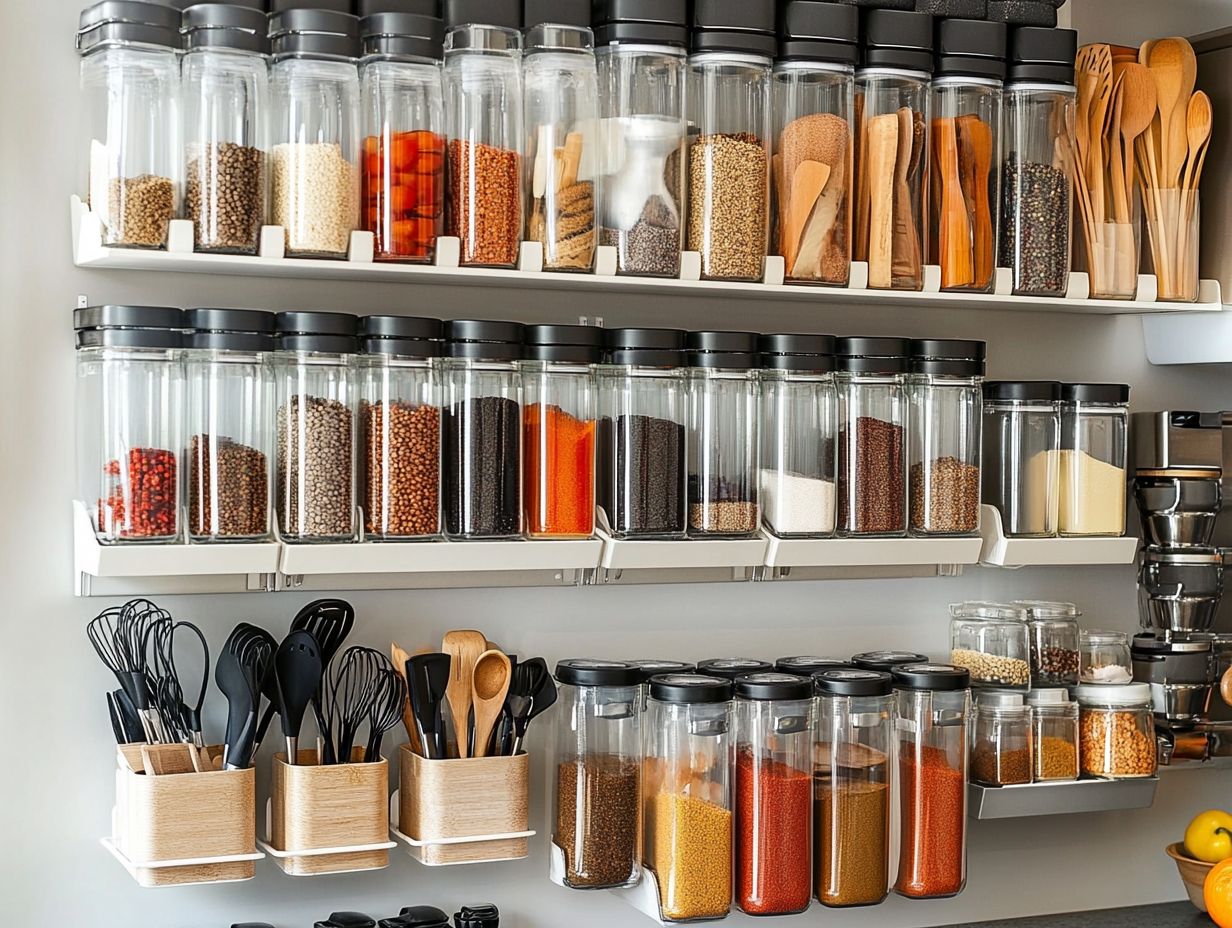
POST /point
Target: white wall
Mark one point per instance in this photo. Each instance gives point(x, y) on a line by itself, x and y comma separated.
point(56, 775)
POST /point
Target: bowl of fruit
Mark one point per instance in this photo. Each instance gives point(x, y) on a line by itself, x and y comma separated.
point(1204, 861)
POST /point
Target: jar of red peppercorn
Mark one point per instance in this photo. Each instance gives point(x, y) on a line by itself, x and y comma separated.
point(130, 380)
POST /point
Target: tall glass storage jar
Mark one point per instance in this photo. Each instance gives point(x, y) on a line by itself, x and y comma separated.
point(687, 795)
point(598, 804)
point(483, 120)
point(1021, 473)
point(482, 403)
point(400, 423)
point(130, 382)
point(130, 85)
point(931, 745)
point(226, 125)
point(799, 409)
point(722, 452)
point(230, 423)
point(945, 398)
point(1094, 458)
point(558, 434)
point(315, 133)
point(812, 178)
point(1001, 743)
point(892, 148)
point(851, 820)
point(315, 422)
point(1116, 731)
point(1054, 735)
point(643, 408)
point(402, 173)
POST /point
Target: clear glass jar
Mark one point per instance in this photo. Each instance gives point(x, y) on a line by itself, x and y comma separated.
point(990, 640)
point(130, 87)
point(1021, 474)
point(722, 451)
point(230, 424)
point(851, 819)
point(226, 126)
point(807, 665)
point(400, 416)
point(643, 407)
point(797, 425)
point(558, 433)
point(315, 154)
point(886, 661)
point(1001, 740)
point(933, 706)
point(482, 431)
point(946, 401)
point(1094, 458)
point(687, 795)
point(1054, 735)
point(130, 381)
point(1103, 657)
point(1116, 731)
point(562, 149)
point(729, 668)
point(774, 793)
point(872, 423)
point(403, 171)
point(316, 418)
point(1053, 630)
point(597, 812)
point(483, 119)
point(649, 668)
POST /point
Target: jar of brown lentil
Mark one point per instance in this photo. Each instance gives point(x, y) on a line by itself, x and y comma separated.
point(1054, 735)
point(1116, 730)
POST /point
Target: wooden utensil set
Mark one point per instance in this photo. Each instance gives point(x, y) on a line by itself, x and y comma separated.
point(892, 159)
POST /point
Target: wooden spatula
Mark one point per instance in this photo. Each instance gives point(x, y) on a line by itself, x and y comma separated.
point(464, 649)
point(400, 657)
point(882, 145)
point(955, 232)
point(975, 136)
point(807, 182)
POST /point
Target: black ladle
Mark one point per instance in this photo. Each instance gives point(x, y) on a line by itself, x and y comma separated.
point(297, 670)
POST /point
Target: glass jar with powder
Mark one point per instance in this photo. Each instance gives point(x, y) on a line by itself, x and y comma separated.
point(1103, 657)
point(1093, 459)
point(1020, 473)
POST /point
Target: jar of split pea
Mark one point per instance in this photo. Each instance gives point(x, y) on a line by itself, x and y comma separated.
point(1116, 730)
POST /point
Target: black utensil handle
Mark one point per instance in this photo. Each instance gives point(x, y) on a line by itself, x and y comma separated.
point(263, 727)
point(328, 754)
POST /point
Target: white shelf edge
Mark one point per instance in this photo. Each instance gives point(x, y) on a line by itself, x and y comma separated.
point(1069, 797)
point(870, 552)
point(681, 554)
point(1188, 338)
point(1000, 551)
point(438, 557)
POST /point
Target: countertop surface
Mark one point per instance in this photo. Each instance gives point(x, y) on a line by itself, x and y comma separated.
point(1168, 915)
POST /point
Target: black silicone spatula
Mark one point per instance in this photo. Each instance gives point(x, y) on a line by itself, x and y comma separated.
point(298, 669)
point(427, 675)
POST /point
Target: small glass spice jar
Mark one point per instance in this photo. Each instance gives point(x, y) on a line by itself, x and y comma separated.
point(1094, 458)
point(728, 668)
point(1020, 473)
point(1001, 739)
point(1053, 630)
point(1054, 735)
point(1116, 730)
point(990, 640)
point(1103, 657)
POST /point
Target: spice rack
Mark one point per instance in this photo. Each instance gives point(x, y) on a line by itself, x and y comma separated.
point(1002, 551)
point(1070, 797)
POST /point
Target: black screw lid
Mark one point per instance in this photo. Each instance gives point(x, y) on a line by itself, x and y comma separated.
point(581, 671)
point(731, 350)
point(644, 347)
point(653, 667)
point(566, 12)
point(744, 27)
point(689, 688)
point(898, 39)
point(576, 344)
point(770, 685)
point(852, 682)
point(1027, 391)
point(731, 667)
point(806, 353)
point(316, 32)
point(365, 8)
point(827, 32)
point(225, 25)
point(483, 339)
point(886, 660)
point(931, 677)
point(1046, 55)
point(873, 355)
point(971, 48)
point(118, 326)
point(329, 333)
point(128, 21)
point(952, 357)
point(641, 22)
point(404, 35)
point(506, 13)
point(230, 329)
point(401, 336)
point(805, 666)
point(1095, 393)
point(333, 6)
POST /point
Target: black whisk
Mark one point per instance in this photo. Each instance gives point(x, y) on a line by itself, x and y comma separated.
point(349, 697)
point(386, 709)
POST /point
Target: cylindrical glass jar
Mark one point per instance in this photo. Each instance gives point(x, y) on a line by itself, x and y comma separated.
point(687, 795)
point(851, 821)
point(931, 746)
point(872, 423)
point(722, 453)
point(315, 133)
point(1001, 740)
point(799, 409)
point(403, 170)
point(1103, 657)
point(230, 423)
point(1116, 730)
point(1036, 186)
point(598, 805)
point(130, 379)
point(886, 661)
point(1094, 458)
point(130, 86)
point(774, 793)
point(806, 665)
point(1020, 473)
point(1053, 630)
point(1054, 735)
point(316, 419)
point(892, 148)
point(990, 640)
point(483, 119)
point(729, 668)
point(946, 402)
point(648, 668)
point(400, 422)
point(558, 433)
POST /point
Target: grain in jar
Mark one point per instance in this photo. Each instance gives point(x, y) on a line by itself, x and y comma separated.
point(1093, 458)
point(990, 640)
point(1001, 739)
point(1116, 730)
point(1054, 735)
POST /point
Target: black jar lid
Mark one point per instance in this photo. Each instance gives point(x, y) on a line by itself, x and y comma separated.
point(689, 688)
point(316, 32)
point(401, 336)
point(786, 352)
point(742, 27)
point(772, 685)
point(948, 357)
point(364, 8)
point(807, 665)
point(225, 25)
point(731, 667)
point(641, 22)
point(328, 333)
point(970, 48)
point(583, 671)
point(1043, 55)
point(405, 35)
point(230, 329)
point(565, 12)
point(842, 681)
point(333, 6)
point(886, 660)
point(931, 677)
point(1095, 393)
point(873, 355)
point(653, 667)
point(128, 21)
point(504, 13)
point(115, 326)
point(644, 347)
point(1026, 391)
point(825, 32)
point(730, 350)
point(898, 39)
point(483, 339)
point(571, 344)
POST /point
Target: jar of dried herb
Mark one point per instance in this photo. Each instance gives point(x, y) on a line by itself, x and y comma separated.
point(1001, 740)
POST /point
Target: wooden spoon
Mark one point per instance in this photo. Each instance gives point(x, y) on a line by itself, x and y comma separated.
point(1167, 63)
point(1178, 132)
point(807, 182)
point(1198, 120)
point(955, 232)
point(489, 687)
point(1116, 165)
point(975, 136)
point(464, 649)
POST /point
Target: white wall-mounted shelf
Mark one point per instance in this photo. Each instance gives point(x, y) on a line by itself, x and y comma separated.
point(1188, 337)
point(871, 552)
point(1001, 551)
point(1065, 798)
point(643, 896)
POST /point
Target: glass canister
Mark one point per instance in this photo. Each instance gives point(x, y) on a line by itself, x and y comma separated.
point(892, 147)
point(598, 807)
point(851, 789)
point(799, 409)
point(648, 668)
point(964, 183)
point(933, 709)
point(1053, 630)
point(130, 379)
point(562, 149)
point(130, 87)
point(506, 13)
point(1094, 458)
point(990, 640)
point(1036, 186)
point(230, 423)
point(316, 427)
point(483, 119)
point(482, 431)
point(774, 793)
point(806, 665)
point(812, 179)
point(728, 668)
point(1054, 735)
point(946, 402)
point(226, 125)
point(1021, 474)
point(400, 418)
point(1103, 657)
point(886, 661)
point(733, 48)
point(558, 432)
point(1001, 743)
point(403, 170)
point(643, 407)
point(687, 795)
point(1116, 730)
point(872, 423)
point(315, 158)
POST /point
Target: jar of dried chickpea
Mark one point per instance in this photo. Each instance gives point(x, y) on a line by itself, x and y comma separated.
point(1116, 735)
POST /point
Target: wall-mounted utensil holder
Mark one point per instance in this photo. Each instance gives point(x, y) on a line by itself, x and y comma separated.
point(462, 811)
